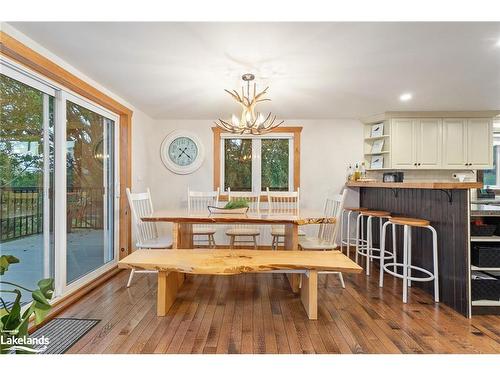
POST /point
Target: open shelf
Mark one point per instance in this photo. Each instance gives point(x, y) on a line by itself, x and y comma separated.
point(377, 153)
point(485, 302)
point(485, 238)
point(375, 138)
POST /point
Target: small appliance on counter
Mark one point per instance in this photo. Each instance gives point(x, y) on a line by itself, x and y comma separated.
point(393, 177)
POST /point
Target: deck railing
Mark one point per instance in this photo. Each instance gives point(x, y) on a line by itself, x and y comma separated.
point(21, 210)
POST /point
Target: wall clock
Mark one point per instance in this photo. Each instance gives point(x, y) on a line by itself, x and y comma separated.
point(182, 152)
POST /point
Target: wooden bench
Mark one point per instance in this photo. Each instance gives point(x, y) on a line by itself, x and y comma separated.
point(173, 264)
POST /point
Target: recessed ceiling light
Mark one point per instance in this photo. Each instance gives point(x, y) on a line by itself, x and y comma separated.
point(405, 97)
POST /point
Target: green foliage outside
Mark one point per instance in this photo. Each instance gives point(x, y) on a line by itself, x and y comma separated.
point(275, 160)
point(238, 164)
point(13, 322)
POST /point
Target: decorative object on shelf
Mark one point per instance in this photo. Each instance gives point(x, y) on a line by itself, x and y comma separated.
point(377, 162)
point(377, 130)
point(182, 152)
point(393, 177)
point(250, 121)
point(377, 146)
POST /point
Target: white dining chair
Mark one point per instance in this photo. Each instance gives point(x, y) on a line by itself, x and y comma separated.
point(247, 233)
point(327, 233)
point(282, 203)
point(198, 202)
point(146, 233)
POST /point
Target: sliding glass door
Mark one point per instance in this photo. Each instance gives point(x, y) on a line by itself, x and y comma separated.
point(26, 179)
point(58, 183)
point(90, 190)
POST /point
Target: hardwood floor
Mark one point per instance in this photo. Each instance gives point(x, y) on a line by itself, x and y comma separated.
point(258, 313)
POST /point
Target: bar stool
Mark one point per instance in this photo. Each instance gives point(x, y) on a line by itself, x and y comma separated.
point(349, 241)
point(368, 250)
point(408, 223)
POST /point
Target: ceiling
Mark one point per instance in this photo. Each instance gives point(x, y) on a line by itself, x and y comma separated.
point(314, 70)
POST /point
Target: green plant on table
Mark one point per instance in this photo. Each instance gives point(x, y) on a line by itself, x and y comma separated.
point(13, 322)
point(237, 203)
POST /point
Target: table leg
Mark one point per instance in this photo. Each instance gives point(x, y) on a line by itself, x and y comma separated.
point(309, 294)
point(292, 243)
point(167, 291)
point(182, 238)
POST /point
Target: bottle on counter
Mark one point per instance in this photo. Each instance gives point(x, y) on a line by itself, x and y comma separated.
point(349, 173)
point(363, 170)
point(357, 173)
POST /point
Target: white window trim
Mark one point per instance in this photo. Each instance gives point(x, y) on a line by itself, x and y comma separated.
point(256, 157)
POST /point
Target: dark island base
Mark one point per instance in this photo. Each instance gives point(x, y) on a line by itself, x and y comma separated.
point(451, 223)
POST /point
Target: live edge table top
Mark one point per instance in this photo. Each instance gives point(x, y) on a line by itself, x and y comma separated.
point(263, 217)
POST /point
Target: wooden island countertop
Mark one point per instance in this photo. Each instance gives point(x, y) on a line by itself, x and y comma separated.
point(450, 185)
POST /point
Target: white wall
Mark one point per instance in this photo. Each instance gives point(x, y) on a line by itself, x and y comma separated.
point(326, 148)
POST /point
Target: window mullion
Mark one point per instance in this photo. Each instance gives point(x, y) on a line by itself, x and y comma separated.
point(256, 164)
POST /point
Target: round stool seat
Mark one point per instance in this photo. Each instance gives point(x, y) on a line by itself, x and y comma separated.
point(413, 222)
point(355, 209)
point(384, 214)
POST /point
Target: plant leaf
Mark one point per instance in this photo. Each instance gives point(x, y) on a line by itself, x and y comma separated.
point(40, 298)
point(41, 311)
point(46, 287)
point(5, 261)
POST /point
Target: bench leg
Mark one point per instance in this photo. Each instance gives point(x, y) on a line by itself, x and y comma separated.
point(291, 242)
point(168, 284)
point(309, 294)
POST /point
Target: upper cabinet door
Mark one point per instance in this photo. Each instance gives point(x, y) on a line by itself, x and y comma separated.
point(455, 143)
point(429, 135)
point(403, 144)
point(479, 143)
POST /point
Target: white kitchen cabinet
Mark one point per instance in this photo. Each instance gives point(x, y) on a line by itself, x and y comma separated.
point(403, 144)
point(479, 143)
point(467, 144)
point(454, 143)
point(416, 143)
point(428, 143)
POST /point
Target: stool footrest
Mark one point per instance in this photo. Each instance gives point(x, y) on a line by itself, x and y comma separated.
point(363, 251)
point(412, 278)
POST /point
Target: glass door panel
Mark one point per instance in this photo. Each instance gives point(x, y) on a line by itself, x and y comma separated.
point(26, 182)
point(90, 178)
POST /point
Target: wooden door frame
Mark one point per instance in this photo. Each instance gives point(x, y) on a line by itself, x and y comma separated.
point(17, 51)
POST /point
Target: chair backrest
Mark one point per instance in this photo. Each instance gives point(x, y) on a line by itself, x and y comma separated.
point(283, 202)
point(141, 205)
point(253, 199)
point(198, 201)
point(333, 209)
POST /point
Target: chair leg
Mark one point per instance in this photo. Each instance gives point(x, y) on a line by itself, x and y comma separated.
point(231, 242)
point(370, 244)
point(132, 271)
point(382, 254)
point(341, 277)
point(405, 263)
point(254, 242)
point(357, 236)
point(273, 243)
point(435, 256)
point(409, 257)
point(348, 234)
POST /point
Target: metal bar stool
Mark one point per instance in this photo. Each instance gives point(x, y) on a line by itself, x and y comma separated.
point(349, 241)
point(368, 249)
point(408, 223)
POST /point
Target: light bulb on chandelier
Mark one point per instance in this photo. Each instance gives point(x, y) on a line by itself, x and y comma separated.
point(250, 122)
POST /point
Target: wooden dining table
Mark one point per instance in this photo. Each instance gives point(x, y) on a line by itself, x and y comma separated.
point(183, 222)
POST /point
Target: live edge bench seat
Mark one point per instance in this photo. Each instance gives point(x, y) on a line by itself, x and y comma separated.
point(172, 264)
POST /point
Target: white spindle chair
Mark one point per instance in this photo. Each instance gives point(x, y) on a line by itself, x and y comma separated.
point(244, 230)
point(282, 203)
point(327, 233)
point(198, 202)
point(147, 236)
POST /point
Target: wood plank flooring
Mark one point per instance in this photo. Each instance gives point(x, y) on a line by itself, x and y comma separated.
point(258, 313)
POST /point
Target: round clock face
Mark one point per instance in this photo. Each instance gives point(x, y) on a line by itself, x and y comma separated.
point(182, 152)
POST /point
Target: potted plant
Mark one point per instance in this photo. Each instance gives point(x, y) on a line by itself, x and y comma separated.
point(14, 322)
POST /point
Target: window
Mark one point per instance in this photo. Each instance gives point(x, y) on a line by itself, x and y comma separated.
point(491, 177)
point(254, 163)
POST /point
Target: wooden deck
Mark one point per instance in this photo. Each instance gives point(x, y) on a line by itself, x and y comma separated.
point(258, 313)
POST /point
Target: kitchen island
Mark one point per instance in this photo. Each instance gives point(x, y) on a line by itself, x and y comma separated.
point(447, 206)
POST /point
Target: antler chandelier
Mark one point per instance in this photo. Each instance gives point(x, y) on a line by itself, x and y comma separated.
point(250, 121)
